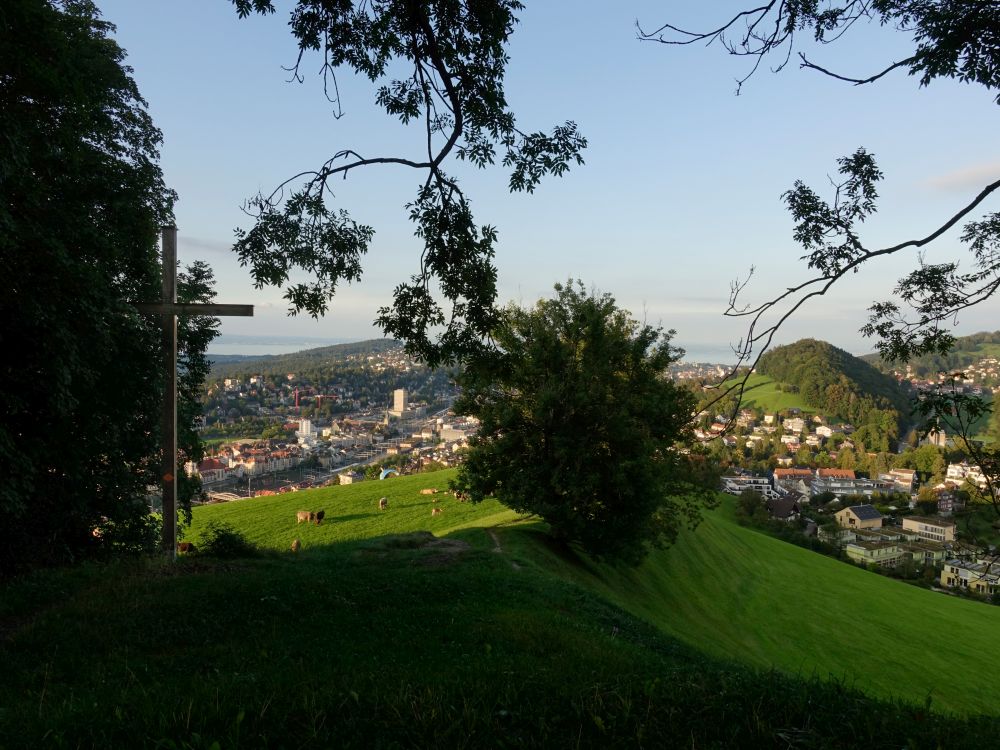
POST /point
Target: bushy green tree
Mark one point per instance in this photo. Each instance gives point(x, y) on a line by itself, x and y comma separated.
point(82, 198)
point(580, 425)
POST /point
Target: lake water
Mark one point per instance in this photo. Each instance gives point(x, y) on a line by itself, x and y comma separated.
point(260, 345)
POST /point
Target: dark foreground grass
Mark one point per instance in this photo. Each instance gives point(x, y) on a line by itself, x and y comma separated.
point(380, 634)
point(392, 643)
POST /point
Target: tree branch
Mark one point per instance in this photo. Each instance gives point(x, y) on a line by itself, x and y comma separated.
point(856, 81)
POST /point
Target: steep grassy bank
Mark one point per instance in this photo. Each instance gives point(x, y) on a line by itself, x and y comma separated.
point(735, 593)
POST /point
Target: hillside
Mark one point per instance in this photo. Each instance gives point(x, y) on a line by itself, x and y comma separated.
point(839, 384)
point(484, 636)
point(736, 593)
point(766, 602)
point(307, 359)
point(766, 393)
point(967, 350)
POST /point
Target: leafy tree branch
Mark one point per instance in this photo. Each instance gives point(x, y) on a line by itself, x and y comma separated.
point(455, 53)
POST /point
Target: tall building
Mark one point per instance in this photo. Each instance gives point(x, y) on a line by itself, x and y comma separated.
point(400, 403)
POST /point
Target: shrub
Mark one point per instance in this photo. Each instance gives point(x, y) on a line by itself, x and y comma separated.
point(222, 540)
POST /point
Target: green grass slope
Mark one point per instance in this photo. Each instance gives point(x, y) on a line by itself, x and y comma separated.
point(735, 593)
point(378, 634)
point(351, 513)
point(762, 392)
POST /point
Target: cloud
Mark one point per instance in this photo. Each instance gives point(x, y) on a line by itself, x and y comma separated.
point(968, 178)
point(206, 245)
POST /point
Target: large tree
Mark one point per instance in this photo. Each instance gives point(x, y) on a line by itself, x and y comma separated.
point(451, 57)
point(580, 424)
point(81, 202)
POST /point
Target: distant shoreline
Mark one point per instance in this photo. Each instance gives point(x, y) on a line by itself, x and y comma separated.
point(237, 345)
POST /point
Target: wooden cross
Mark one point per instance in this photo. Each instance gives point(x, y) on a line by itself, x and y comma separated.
point(168, 309)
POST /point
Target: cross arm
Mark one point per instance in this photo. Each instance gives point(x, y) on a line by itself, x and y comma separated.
point(161, 308)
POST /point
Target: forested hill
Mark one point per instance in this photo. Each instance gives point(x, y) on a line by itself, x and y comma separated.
point(967, 350)
point(306, 360)
point(840, 384)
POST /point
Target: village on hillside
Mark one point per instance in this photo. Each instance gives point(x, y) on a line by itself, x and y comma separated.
point(877, 519)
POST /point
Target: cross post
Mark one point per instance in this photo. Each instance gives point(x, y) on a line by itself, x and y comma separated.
point(168, 309)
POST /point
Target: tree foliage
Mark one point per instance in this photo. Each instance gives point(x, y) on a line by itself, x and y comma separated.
point(81, 201)
point(956, 40)
point(951, 39)
point(580, 425)
point(454, 54)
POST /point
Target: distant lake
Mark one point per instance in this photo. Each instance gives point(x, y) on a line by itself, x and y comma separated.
point(260, 345)
point(721, 354)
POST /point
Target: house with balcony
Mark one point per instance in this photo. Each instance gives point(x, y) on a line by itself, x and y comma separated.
point(879, 554)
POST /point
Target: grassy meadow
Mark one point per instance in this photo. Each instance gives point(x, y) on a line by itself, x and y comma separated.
point(762, 392)
point(471, 629)
point(351, 513)
point(736, 593)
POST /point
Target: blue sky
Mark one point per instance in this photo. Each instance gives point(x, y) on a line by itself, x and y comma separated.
point(680, 193)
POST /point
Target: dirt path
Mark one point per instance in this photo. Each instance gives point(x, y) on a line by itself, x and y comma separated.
point(498, 549)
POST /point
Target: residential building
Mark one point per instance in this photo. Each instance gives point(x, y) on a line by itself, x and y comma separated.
point(949, 502)
point(905, 479)
point(793, 480)
point(785, 508)
point(925, 553)
point(959, 473)
point(982, 576)
point(795, 424)
point(859, 517)
point(736, 483)
point(846, 487)
point(934, 529)
point(835, 474)
point(881, 554)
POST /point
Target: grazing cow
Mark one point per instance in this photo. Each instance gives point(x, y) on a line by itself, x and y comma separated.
point(185, 547)
point(303, 515)
point(430, 491)
point(383, 504)
point(461, 496)
point(296, 545)
point(435, 511)
point(320, 515)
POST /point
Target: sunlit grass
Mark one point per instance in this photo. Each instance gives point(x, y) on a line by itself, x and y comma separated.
point(736, 593)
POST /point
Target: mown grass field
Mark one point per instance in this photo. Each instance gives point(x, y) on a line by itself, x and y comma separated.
point(736, 593)
point(762, 392)
point(351, 513)
point(375, 636)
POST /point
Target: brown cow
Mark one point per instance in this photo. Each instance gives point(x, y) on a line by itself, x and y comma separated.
point(435, 511)
point(185, 547)
point(429, 491)
point(303, 515)
point(383, 503)
point(296, 545)
point(320, 515)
